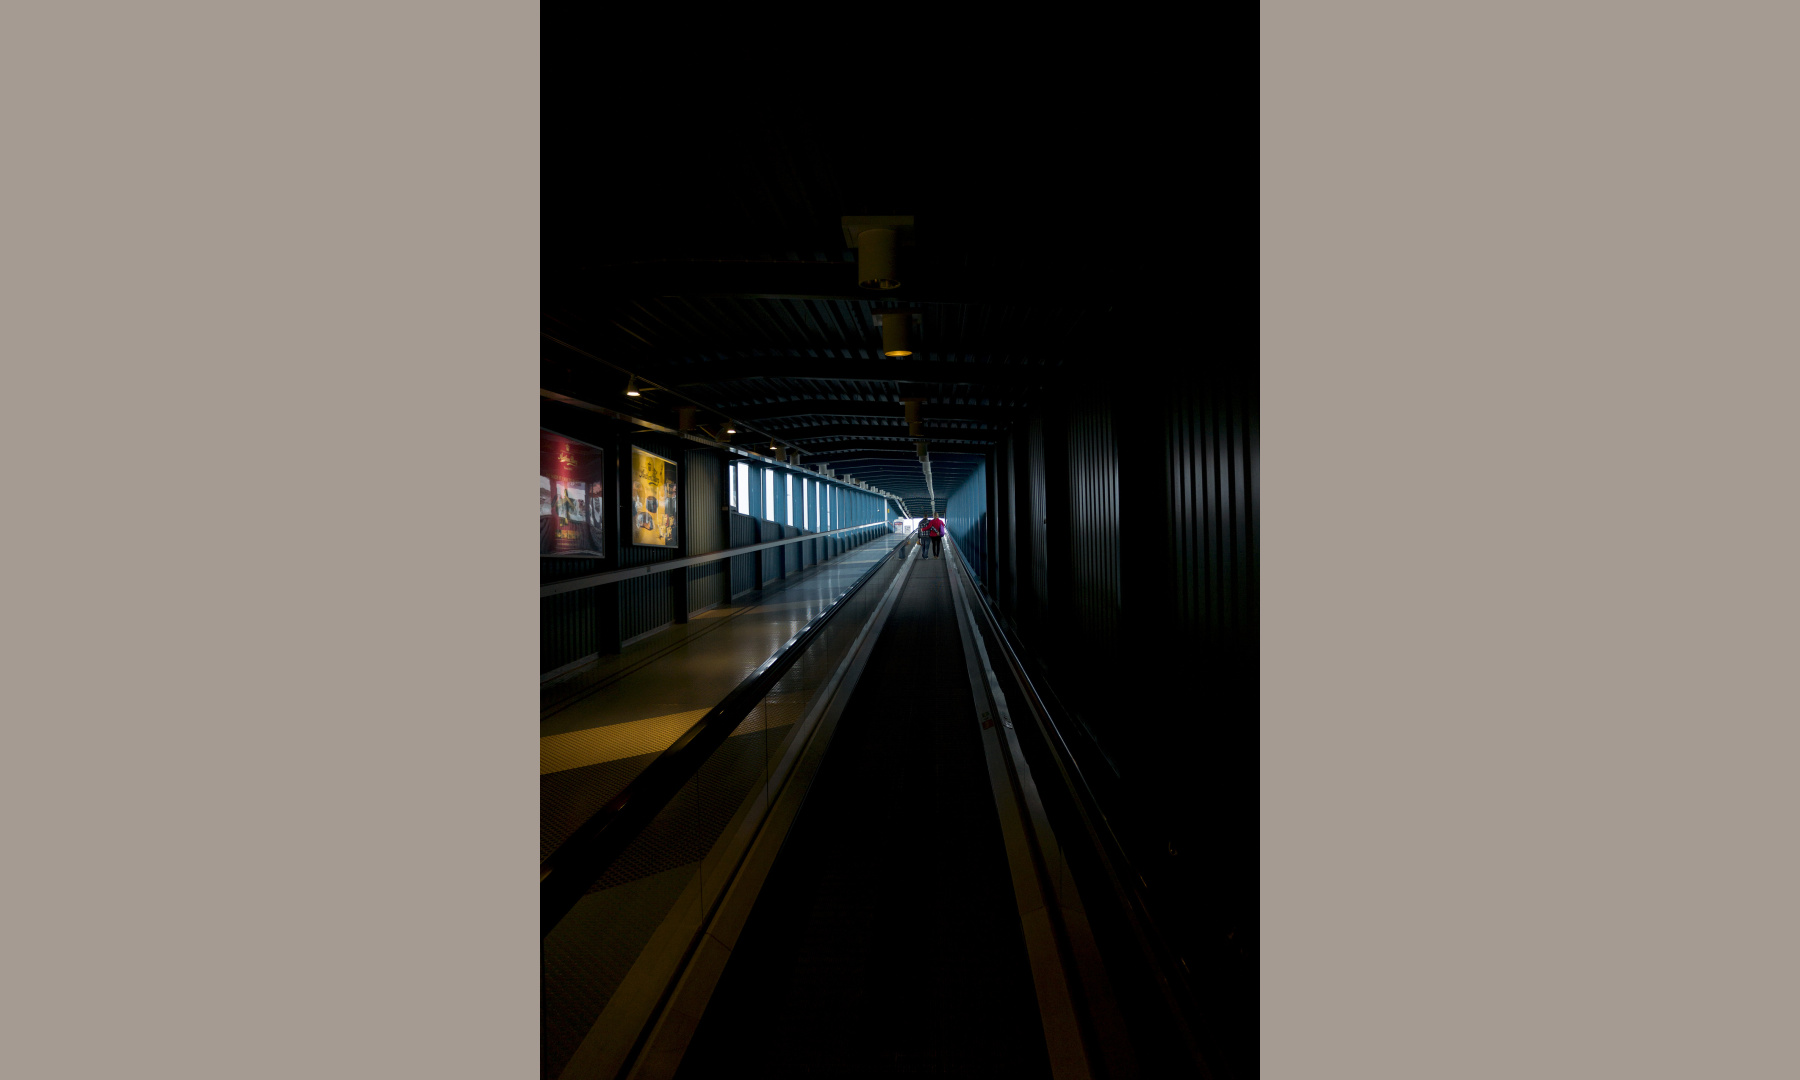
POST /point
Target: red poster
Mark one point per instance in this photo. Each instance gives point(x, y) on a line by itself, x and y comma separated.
point(571, 482)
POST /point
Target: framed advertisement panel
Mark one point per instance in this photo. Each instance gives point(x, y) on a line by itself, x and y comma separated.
point(571, 497)
point(655, 500)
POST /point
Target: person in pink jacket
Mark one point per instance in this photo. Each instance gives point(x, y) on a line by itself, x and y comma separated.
point(931, 531)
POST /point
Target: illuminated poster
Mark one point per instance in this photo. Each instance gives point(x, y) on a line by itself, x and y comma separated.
point(571, 481)
point(654, 487)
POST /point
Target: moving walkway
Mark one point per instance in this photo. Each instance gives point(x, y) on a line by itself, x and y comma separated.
point(874, 856)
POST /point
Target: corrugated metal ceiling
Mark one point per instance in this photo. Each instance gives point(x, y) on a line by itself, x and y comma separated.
point(691, 292)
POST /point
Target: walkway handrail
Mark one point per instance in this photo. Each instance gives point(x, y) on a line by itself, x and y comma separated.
point(607, 577)
point(573, 868)
point(1169, 968)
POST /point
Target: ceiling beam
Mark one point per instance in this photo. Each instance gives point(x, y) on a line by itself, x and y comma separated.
point(775, 411)
point(925, 279)
point(912, 371)
point(909, 466)
point(573, 359)
point(809, 438)
point(879, 427)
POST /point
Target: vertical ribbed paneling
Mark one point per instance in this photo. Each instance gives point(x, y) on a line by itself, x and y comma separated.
point(705, 523)
point(1008, 557)
point(1094, 514)
point(966, 518)
point(566, 629)
point(567, 626)
point(1205, 446)
point(646, 603)
point(771, 557)
point(743, 567)
point(1210, 439)
point(703, 516)
point(1034, 584)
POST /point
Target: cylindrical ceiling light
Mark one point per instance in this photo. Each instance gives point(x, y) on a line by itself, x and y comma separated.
point(631, 388)
point(877, 240)
point(896, 333)
point(875, 267)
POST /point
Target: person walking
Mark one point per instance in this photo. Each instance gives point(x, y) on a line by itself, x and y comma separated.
point(934, 532)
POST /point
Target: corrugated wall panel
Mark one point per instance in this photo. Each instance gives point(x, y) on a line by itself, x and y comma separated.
point(771, 560)
point(1007, 579)
point(966, 516)
point(1092, 536)
point(706, 528)
point(1210, 443)
point(566, 629)
point(647, 603)
point(1034, 577)
point(1208, 432)
point(705, 496)
point(706, 585)
point(743, 567)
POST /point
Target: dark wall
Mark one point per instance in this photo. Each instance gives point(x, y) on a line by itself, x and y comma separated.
point(577, 626)
point(743, 567)
point(966, 519)
point(1096, 521)
point(567, 628)
point(647, 604)
point(1126, 536)
point(705, 513)
point(1125, 539)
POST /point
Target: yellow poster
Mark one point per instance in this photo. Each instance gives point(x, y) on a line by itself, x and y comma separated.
point(653, 499)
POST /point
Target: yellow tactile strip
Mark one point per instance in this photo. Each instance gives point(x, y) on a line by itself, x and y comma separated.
point(651, 735)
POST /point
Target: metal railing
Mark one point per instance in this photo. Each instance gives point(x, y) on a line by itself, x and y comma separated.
point(607, 577)
point(1170, 970)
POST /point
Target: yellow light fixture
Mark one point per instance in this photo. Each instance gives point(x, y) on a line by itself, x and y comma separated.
point(915, 424)
point(875, 260)
point(631, 389)
point(896, 339)
point(876, 240)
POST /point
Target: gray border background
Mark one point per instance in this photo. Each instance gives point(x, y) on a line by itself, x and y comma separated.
point(1528, 310)
point(269, 748)
point(1526, 315)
